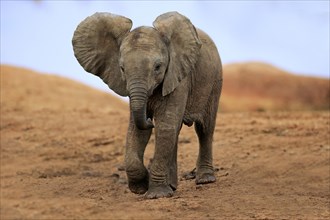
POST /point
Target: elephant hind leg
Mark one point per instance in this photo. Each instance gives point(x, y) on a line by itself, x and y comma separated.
point(204, 167)
point(205, 130)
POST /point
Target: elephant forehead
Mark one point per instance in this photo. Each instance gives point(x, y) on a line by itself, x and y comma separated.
point(145, 38)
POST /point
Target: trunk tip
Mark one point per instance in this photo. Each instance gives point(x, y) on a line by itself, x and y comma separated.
point(148, 125)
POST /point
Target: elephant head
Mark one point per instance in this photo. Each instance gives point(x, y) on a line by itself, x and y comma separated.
point(134, 63)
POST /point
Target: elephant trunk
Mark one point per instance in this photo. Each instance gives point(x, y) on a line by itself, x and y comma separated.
point(138, 105)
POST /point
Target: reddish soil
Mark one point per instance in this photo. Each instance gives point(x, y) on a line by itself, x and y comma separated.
point(62, 147)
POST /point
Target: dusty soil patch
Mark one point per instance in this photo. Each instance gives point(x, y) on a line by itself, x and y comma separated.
point(62, 147)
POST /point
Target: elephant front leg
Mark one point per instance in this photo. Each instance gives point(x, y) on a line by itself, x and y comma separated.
point(162, 180)
point(137, 174)
point(173, 176)
point(168, 122)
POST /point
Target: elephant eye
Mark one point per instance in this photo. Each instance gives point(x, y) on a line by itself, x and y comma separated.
point(157, 67)
point(122, 69)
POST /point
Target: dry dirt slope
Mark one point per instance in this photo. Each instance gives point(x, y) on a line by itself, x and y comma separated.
point(259, 86)
point(62, 152)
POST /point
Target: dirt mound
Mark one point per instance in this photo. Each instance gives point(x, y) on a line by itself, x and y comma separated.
point(28, 91)
point(62, 149)
point(260, 86)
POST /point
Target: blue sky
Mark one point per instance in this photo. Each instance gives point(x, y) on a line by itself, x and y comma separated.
point(293, 35)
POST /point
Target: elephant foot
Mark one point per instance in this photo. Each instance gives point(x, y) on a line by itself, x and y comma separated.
point(139, 187)
point(205, 177)
point(138, 179)
point(160, 191)
point(173, 180)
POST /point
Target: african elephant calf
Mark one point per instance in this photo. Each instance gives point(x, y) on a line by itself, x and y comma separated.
point(172, 74)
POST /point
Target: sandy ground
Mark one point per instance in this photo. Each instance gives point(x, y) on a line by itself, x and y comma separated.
point(62, 147)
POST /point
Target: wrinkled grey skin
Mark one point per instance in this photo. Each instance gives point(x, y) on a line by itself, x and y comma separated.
point(172, 74)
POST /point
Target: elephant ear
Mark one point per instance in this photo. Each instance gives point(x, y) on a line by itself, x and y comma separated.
point(96, 43)
point(184, 46)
